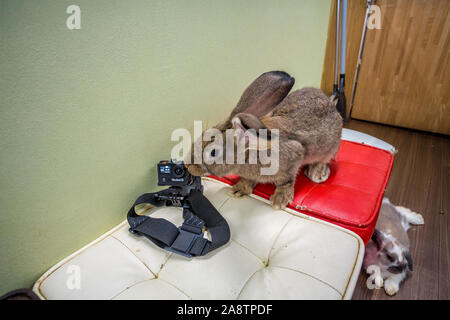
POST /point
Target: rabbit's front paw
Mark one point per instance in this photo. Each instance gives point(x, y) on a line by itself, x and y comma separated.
point(318, 172)
point(282, 196)
point(243, 188)
point(391, 287)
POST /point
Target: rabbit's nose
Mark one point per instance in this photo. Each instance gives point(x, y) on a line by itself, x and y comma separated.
point(195, 169)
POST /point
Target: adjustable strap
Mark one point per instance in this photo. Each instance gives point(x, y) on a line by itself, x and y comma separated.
point(187, 240)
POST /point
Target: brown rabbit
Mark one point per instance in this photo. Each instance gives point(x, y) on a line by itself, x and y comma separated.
point(309, 134)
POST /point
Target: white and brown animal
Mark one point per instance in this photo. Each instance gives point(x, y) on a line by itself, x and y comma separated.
point(388, 250)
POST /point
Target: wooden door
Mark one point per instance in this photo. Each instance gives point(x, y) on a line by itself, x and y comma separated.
point(405, 73)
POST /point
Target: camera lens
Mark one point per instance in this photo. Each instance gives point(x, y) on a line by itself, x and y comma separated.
point(178, 171)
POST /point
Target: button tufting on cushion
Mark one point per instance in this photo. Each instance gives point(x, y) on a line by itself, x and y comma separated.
point(272, 254)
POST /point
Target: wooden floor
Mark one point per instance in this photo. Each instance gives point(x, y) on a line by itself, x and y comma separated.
point(420, 180)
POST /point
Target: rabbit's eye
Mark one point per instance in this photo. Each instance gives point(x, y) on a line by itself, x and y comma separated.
point(213, 153)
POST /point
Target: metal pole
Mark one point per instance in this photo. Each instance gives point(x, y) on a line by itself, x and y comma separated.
point(360, 53)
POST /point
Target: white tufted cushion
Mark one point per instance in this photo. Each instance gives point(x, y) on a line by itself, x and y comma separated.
point(272, 255)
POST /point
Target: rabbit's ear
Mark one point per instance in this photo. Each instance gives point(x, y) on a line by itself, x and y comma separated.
point(251, 131)
point(409, 260)
point(264, 94)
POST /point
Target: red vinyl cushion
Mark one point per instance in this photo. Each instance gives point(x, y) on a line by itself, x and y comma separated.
point(352, 195)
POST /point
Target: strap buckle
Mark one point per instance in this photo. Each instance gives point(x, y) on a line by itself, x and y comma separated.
point(185, 241)
point(190, 231)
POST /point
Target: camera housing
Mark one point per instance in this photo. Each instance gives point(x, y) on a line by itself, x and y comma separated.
point(174, 174)
point(181, 182)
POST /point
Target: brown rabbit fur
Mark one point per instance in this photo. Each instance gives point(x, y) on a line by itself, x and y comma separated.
point(309, 134)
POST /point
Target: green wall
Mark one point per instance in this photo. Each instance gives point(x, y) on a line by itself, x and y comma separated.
point(86, 114)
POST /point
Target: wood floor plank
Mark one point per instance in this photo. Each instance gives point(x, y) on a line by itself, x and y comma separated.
point(444, 259)
point(423, 195)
